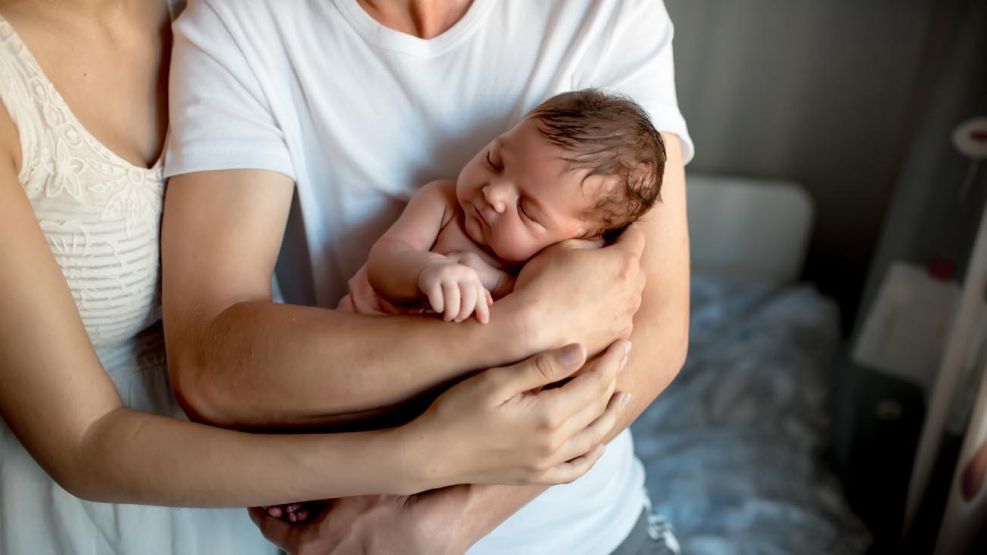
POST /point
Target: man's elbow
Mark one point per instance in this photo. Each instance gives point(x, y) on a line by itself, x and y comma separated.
point(679, 352)
point(195, 389)
point(674, 352)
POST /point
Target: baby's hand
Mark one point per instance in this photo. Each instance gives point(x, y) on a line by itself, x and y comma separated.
point(455, 291)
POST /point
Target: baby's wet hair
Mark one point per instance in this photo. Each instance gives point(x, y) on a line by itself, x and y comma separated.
point(608, 135)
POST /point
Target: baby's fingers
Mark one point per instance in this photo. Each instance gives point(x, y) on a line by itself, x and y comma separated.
point(483, 305)
point(435, 298)
point(468, 292)
point(450, 293)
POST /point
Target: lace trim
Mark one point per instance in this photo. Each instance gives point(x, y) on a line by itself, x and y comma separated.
point(100, 213)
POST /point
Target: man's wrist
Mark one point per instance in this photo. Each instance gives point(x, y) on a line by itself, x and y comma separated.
point(515, 328)
point(482, 508)
point(444, 514)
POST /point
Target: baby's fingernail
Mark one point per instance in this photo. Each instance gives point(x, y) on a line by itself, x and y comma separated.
point(571, 354)
point(627, 355)
point(624, 399)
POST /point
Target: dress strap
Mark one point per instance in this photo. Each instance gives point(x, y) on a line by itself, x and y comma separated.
point(22, 89)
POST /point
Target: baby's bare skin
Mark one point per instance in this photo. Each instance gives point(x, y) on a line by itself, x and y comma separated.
point(458, 244)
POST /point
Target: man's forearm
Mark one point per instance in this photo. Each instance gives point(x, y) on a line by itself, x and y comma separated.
point(259, 364)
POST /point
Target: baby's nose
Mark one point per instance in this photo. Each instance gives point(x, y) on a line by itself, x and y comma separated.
point(498, 196)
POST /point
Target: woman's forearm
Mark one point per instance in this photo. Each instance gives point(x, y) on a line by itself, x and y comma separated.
point(134, 457)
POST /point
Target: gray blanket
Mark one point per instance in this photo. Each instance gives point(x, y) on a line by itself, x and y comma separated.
point(735, 448)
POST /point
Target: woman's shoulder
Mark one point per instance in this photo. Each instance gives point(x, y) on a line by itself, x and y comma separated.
point(10, 149)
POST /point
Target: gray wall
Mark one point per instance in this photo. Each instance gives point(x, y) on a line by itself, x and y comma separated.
point(929, 216)
point(822, 92)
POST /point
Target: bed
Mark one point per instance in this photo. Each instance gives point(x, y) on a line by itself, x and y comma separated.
point(736, 448)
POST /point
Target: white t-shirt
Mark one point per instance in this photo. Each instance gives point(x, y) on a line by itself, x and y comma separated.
point(360, 116)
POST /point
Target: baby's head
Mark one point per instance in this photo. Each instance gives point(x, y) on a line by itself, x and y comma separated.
point(583, 164)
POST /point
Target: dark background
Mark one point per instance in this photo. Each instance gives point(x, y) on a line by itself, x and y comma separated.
point(854, 100)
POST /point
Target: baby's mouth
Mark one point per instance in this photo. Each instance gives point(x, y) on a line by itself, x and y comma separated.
point(479, 216)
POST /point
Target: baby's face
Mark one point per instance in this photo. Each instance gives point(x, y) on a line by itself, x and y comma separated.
point(519, 196)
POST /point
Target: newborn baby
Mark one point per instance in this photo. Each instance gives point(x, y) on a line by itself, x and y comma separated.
point(583, 164)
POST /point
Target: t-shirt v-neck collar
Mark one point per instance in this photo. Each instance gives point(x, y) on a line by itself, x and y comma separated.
point(376, 34)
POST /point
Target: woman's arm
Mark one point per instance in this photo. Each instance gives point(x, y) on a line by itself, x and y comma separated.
point(60, 403)
point(63, 407)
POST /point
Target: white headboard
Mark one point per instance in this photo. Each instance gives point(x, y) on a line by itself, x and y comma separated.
point(748, 228)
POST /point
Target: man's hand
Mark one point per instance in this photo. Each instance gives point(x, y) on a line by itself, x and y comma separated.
point(419, 524)
point(577, 292)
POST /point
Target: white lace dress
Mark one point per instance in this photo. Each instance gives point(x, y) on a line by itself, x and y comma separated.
point(101, 216)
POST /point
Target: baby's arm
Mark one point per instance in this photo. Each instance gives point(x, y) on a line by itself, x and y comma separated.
point(402, 269)
point(495, 280)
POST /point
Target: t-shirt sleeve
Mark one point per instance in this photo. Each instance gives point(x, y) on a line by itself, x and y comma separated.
point(636, 59)
point(221, 116)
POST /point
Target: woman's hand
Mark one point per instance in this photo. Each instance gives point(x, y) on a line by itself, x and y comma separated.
point(579, 292)
point(505, 426)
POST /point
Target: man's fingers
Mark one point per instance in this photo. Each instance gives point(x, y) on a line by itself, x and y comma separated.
point(275, 530)
point(540, 370)
point(632, 239)
point(575, 244)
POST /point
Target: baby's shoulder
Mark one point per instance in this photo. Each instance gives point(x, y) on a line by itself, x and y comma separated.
point(445, 188)
point(439, 193)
